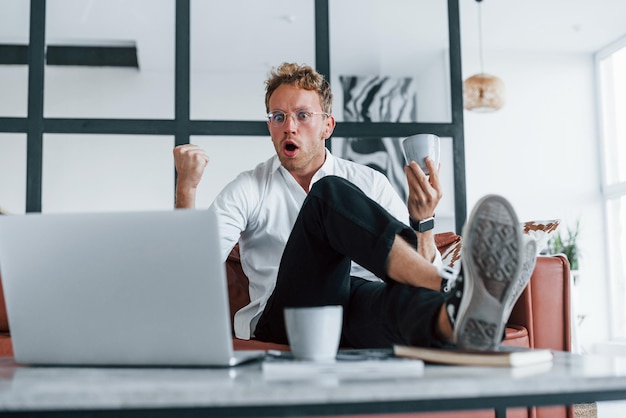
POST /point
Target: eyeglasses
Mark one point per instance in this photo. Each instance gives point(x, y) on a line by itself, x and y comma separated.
point(303, 117)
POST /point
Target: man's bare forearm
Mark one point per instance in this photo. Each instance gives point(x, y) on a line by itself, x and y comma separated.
point(185, 198)
point(426, 245)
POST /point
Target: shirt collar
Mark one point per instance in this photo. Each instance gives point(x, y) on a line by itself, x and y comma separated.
point(275, 163)
point(327, 169)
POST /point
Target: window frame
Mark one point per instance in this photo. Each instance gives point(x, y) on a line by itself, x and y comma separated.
point(610, 192)
point(182, 127)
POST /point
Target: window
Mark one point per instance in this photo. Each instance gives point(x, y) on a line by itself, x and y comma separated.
point(14, 28)
point(13, 172)
point(96, 78)
point(76, 87)
point(611, 73)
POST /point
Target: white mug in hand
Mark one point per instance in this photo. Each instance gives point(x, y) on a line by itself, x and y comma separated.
point(314, 333)
point(417, 147)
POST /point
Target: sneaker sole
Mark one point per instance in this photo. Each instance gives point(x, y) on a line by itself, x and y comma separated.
point(492, 257)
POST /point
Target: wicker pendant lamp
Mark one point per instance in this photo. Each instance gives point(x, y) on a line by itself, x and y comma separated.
point(483, 92)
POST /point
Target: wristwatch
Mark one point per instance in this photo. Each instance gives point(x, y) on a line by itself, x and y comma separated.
point(423, 225)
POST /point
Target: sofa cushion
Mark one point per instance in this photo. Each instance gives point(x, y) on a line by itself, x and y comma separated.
point(516, 336)
point(238, 293)
point(239, 344)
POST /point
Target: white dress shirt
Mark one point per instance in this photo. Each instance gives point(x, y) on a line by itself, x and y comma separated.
point(258, 210)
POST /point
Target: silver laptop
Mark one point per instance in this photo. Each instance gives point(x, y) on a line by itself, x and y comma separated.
point(132, 288)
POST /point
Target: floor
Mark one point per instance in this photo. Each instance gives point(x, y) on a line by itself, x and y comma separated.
point(615, 409)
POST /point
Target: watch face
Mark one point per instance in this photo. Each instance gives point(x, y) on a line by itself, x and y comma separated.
point(426, 225)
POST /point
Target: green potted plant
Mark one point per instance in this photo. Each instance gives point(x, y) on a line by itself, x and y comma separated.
point(562, 244)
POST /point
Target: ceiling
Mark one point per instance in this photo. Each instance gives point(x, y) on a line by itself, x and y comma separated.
point(581, 26)
point(544, 25)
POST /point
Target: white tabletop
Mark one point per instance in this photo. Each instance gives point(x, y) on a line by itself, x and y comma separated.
point(241, 390)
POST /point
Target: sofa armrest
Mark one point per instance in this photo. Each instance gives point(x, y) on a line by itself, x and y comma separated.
point(544, 306)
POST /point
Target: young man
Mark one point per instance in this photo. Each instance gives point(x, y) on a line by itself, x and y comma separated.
point(317, 230)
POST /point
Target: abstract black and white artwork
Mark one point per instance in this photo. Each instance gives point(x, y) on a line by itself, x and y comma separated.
point(377, 99)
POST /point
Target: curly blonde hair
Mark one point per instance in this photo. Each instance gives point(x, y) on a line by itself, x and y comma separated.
point(303, 77)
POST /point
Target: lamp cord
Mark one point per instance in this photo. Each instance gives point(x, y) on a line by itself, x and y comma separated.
point(480, 35)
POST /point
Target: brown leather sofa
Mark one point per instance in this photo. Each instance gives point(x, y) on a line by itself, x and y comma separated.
point(541, 319)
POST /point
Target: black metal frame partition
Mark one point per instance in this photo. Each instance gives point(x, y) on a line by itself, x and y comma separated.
point(35, 125)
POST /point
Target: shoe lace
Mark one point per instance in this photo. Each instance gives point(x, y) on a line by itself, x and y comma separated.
point(448, 278)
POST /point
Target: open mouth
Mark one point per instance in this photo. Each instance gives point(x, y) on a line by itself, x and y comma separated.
point(291, 149)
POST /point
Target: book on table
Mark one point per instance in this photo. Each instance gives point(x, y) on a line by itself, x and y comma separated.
point(361, 364)
point(503, 357)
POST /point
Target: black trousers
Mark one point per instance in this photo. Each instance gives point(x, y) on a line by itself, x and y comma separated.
point(336, 224)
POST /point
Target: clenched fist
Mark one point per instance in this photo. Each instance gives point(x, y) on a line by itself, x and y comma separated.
point(190, 161)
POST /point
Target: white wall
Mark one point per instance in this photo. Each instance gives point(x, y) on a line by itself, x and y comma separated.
point(540, 151)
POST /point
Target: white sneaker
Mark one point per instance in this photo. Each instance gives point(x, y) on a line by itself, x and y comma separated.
point(491, 263)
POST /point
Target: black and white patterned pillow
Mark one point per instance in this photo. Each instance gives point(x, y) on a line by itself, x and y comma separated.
point(539, 231)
